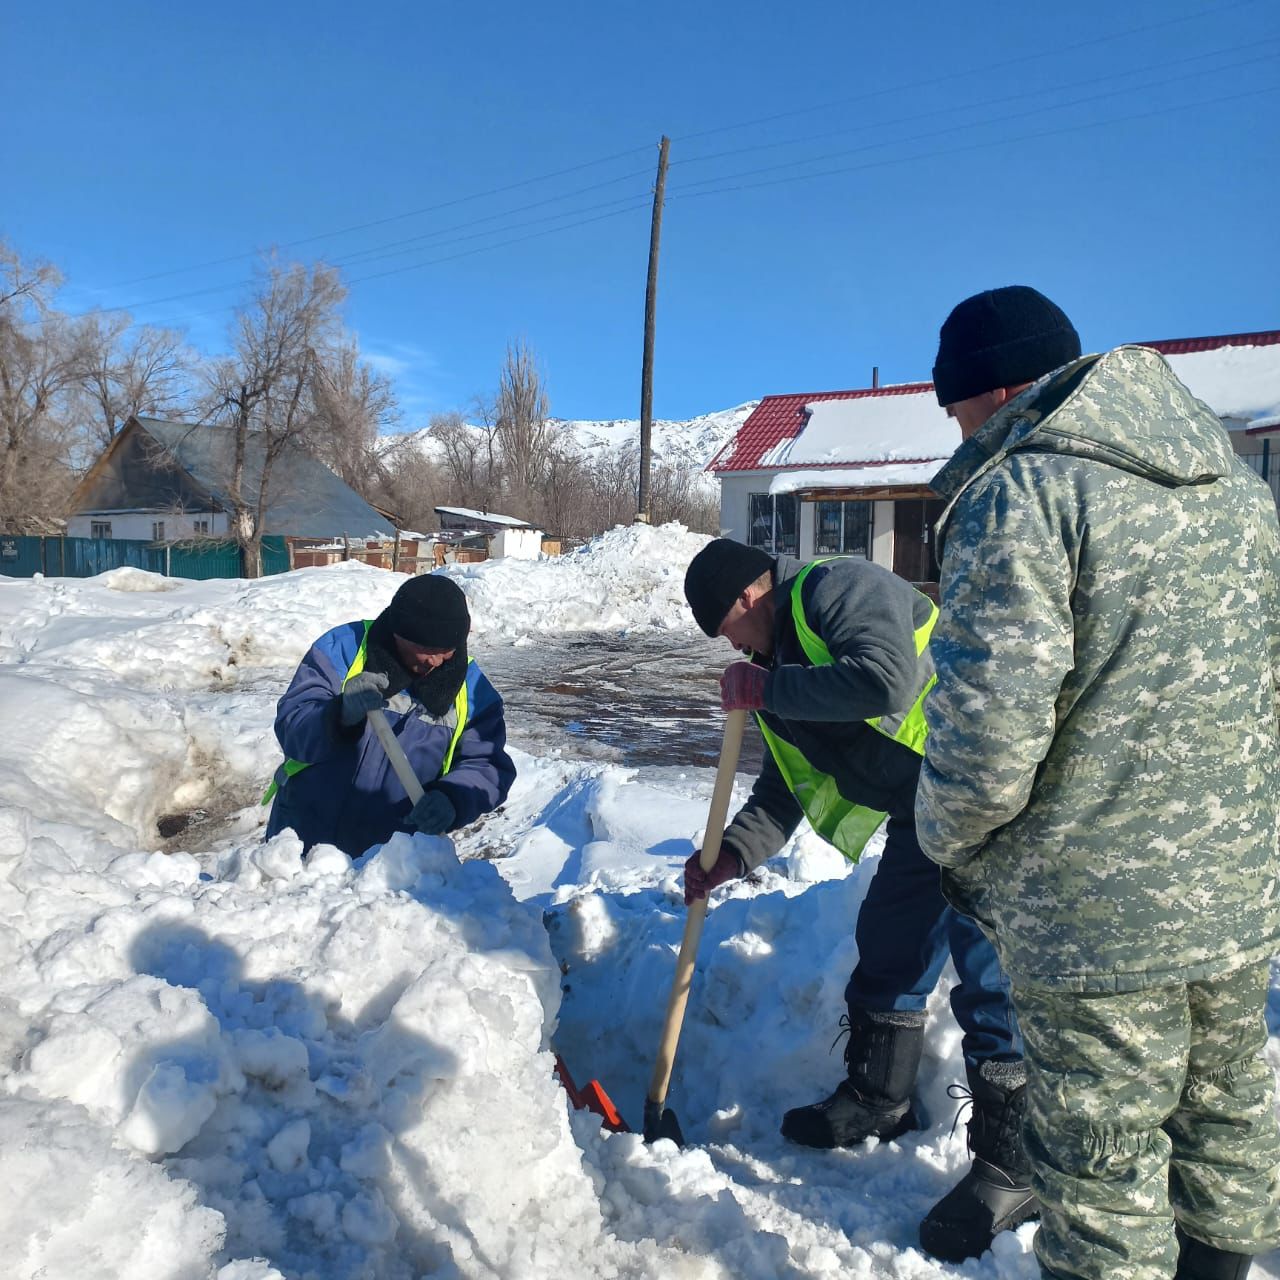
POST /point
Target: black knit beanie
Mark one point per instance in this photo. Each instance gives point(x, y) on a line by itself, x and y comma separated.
point(718, 575)
point(1001, 338)
point(430, 611)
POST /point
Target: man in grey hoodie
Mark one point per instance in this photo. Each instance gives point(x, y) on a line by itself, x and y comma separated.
point(838, 672)
point(1101, 782)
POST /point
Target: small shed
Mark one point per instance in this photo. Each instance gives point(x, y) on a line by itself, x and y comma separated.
point(506, 536)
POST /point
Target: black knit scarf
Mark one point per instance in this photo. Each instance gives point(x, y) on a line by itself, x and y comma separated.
point(436, 690)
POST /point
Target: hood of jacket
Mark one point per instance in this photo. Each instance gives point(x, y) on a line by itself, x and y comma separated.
point(1126, 409)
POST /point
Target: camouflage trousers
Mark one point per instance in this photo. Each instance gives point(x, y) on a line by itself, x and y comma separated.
point(1144, 1108)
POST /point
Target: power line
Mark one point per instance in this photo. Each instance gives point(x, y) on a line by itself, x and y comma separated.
point(976, 146)
point(352, 258)
point(965, 73)
point(954, 108)
point(642, 203)
point(974, 124)
point(379, 222)
point(471, 222)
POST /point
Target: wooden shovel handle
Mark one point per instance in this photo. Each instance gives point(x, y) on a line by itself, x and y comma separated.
point(730, 749)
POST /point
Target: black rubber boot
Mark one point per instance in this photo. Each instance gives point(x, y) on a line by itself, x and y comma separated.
point(1200, 1261)
point(882, 1058)
point(995, 1195)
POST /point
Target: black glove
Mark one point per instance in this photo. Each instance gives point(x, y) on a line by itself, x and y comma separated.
point(434, 814)
point(360, 695)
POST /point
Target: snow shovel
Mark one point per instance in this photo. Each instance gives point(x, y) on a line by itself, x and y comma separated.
point(659, 1120)
point(590, 1096)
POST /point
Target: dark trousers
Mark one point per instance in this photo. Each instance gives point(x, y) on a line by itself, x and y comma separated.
point(904, 933)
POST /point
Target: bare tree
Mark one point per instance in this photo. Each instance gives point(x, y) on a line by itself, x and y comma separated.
point(264, 391)
point(470, 459)
point(354, 404)
point(521, 411)
point(127, 371)
point(412, 485)
point(39, 354)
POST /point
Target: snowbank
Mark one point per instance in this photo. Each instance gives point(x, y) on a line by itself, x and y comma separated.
point(229, 1063)
point(631, 578)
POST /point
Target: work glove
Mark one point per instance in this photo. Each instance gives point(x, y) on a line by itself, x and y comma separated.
point(434, 813)
point(360, 695)
point(699, 883)
point(742, 687)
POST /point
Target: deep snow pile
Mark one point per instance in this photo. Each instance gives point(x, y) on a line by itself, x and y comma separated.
point(235, 1064)
point(627, 579)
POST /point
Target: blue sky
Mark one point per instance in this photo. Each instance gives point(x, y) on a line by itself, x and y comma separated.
point(885, 161)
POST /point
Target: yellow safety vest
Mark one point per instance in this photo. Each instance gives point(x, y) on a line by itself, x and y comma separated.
point(846, 825)
point(461, 707)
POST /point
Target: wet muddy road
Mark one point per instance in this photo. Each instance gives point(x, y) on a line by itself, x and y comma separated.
point(648, 699)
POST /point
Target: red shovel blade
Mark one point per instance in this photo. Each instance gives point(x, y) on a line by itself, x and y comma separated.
point(591, 1097)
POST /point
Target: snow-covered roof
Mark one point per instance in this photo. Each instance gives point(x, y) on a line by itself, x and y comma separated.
point(489, 517)
point(893, 474)
point(883, 428)
point(1240, 381)
point(1237, 375)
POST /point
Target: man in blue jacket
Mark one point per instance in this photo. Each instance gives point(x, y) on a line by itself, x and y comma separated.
point(336, 784)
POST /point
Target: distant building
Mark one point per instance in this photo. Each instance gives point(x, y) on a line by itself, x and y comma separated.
point(504, 536)
point(167, 481)
point(847, 472)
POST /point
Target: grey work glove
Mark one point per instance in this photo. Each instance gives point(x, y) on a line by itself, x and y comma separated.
point(360, 695)
point(434, 814)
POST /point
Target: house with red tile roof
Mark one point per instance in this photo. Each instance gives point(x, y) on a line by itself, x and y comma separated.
point(848, 472)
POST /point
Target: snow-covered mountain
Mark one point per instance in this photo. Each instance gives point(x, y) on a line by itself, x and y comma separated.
point(687, 442)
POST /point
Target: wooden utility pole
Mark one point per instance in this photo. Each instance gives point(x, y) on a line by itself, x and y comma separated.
point(650, 312)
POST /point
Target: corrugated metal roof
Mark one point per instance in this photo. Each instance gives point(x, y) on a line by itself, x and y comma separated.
point(304, 498)
point(780, 417)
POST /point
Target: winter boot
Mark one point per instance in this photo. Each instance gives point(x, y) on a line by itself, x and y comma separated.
point(882, 1056)
point(1200, 1261)
point(995, 1195)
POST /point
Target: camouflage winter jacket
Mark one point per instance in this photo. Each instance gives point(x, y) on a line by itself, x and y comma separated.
point(1101, 782)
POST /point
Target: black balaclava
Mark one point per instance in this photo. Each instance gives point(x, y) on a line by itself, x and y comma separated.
point(431, 611)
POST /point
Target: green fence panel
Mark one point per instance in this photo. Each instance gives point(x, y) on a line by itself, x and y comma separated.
point(20, 557)
point(23, 557)
point(85, 557)
point(204, 560)
point(275, 554)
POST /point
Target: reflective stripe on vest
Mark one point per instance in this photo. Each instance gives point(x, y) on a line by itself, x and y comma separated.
point(846, 825)
point(461, 709)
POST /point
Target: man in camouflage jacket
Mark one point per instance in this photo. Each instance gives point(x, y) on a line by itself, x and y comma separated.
point(1102, 781)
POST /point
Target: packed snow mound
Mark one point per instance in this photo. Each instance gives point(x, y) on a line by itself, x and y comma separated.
point(629, 579)
point(338, 1065)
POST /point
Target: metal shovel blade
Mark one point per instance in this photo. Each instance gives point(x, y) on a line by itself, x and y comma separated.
point(660, 1122)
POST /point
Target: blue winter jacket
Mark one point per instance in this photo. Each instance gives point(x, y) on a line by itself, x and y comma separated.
point(348, 795)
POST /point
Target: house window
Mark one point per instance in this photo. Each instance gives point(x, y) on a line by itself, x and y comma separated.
point(775, 523)
point(157, 531)
point(200, 526)
point(100, 528)
point(842, 529)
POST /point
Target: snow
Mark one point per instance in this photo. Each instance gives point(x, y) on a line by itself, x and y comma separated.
point(489, 517)
point(888, 427)
point(1241, 383)
point(890, 473)
point(690, 443)
point(630, 578)
point(221, 1061)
